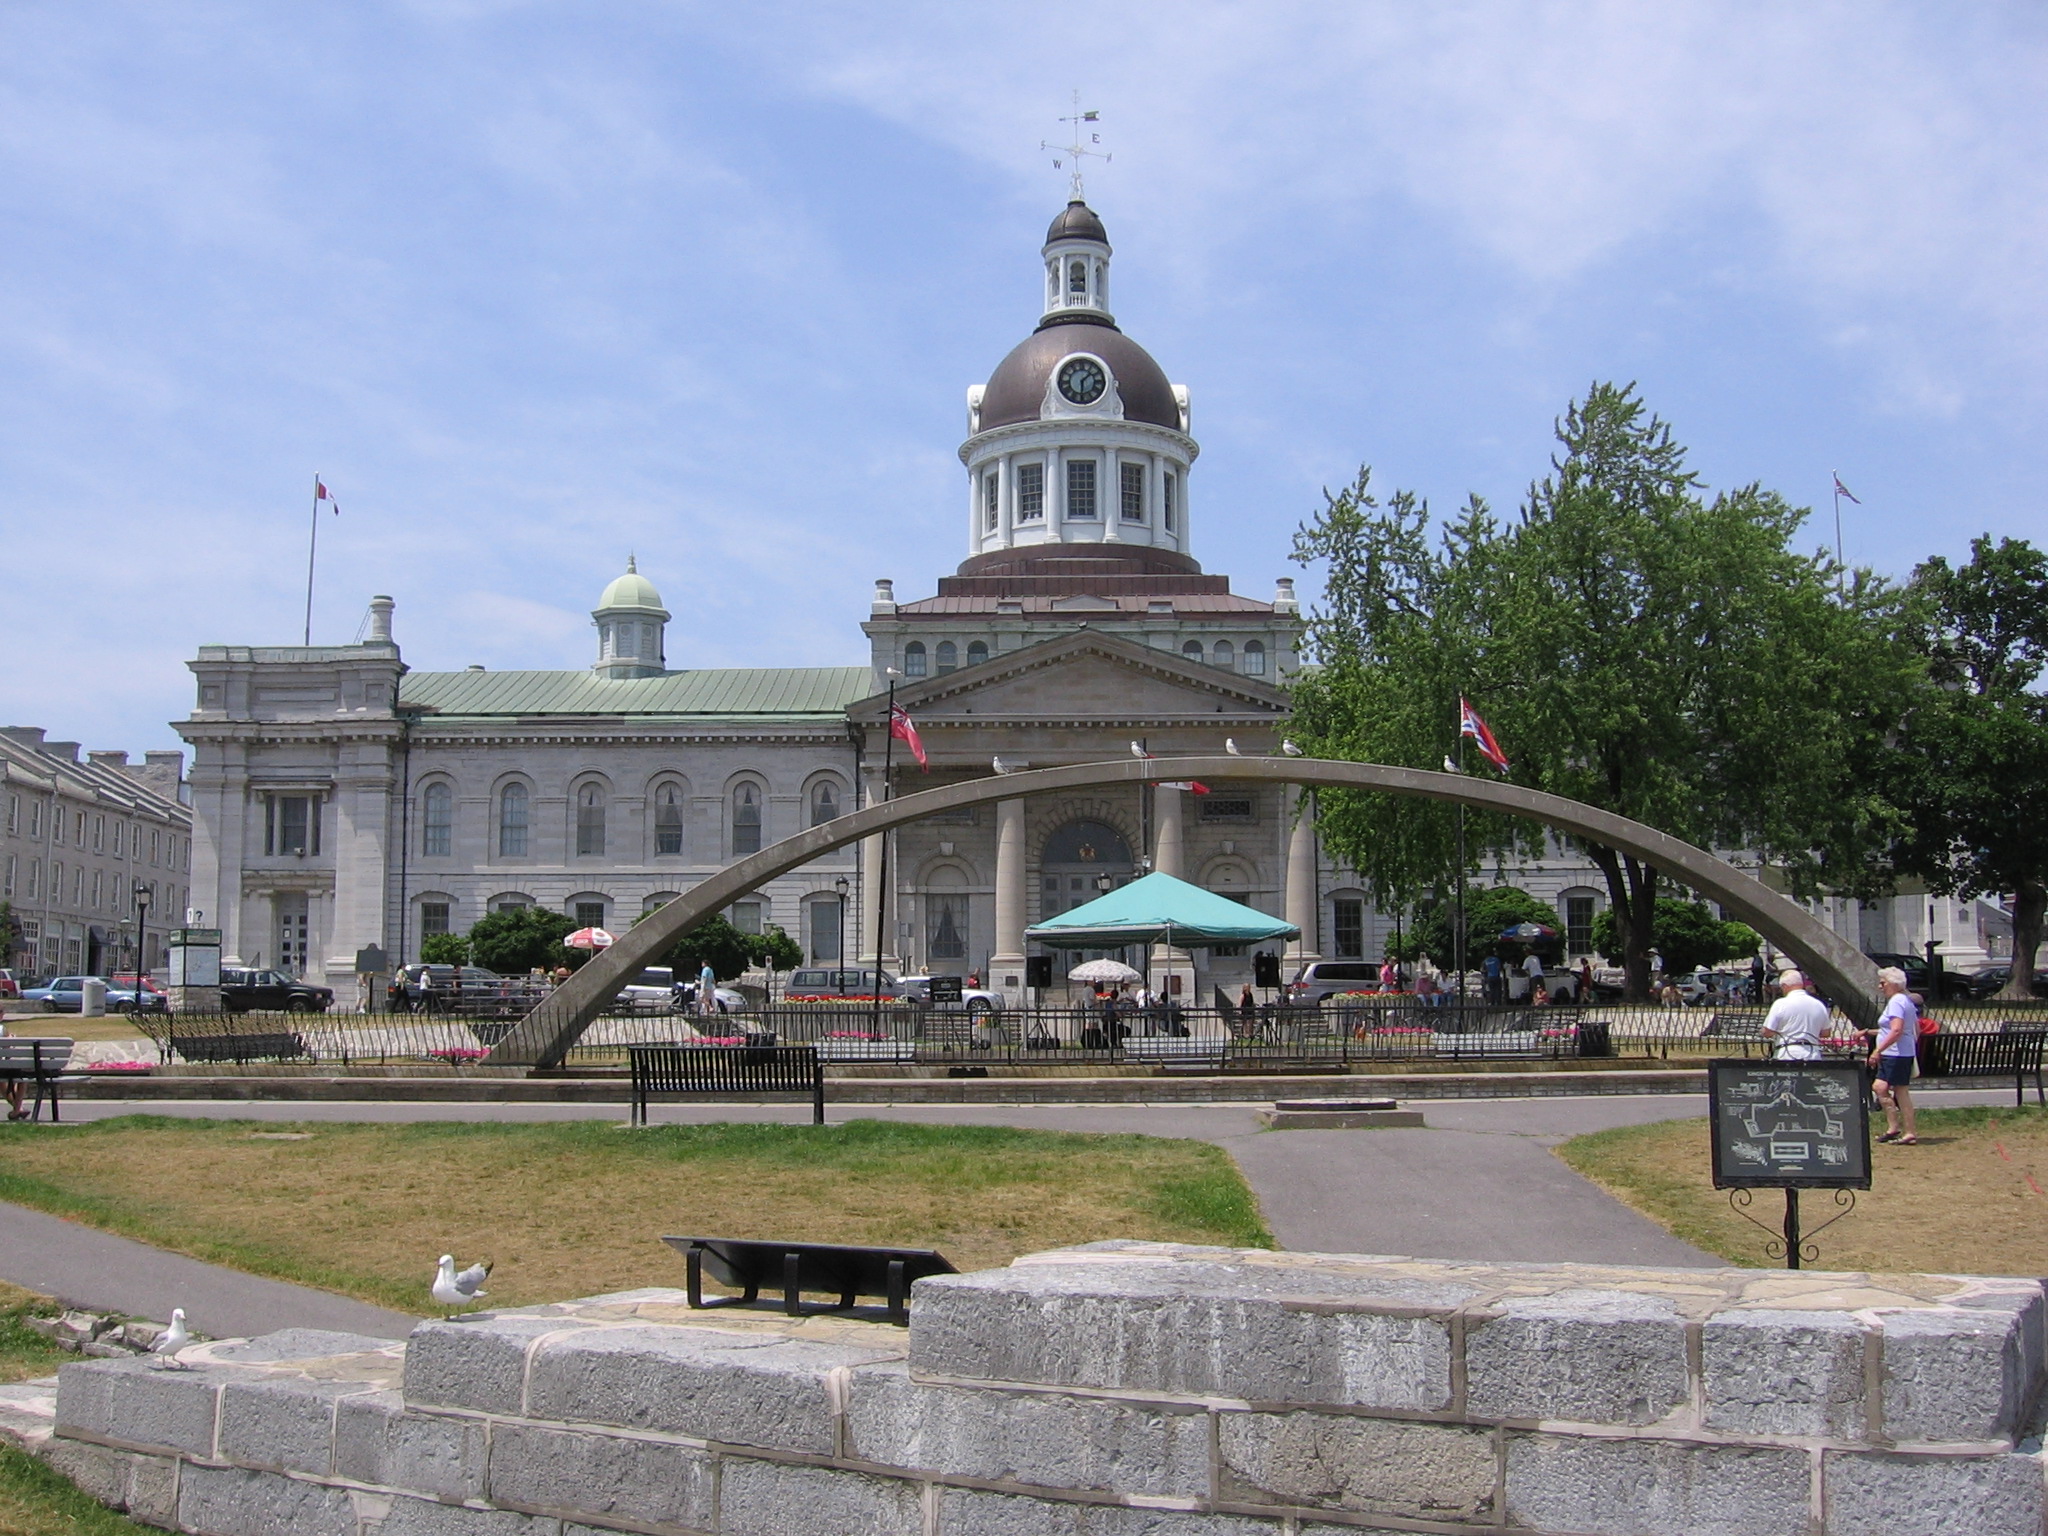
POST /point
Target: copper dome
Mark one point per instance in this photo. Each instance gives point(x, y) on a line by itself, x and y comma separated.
point(1016, 390)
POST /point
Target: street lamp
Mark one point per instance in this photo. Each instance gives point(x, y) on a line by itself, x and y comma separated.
point(142, 898)
point(842, 885)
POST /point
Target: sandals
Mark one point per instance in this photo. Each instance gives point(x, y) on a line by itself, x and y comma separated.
point(1909, 1141)
point(1889, 1136)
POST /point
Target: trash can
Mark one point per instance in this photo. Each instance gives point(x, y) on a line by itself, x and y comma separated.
point(92, 998)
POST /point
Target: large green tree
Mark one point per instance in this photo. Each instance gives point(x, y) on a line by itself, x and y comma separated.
point(517, 939)
point(1685, 934)
point(1635, 643)
point(1973, 766)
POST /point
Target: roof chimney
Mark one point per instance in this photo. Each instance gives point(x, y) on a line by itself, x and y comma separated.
point(380, 621)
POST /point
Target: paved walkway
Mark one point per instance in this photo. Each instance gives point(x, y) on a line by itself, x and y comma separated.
point(1478, 1182)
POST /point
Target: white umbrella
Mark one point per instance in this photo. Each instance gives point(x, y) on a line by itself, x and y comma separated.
point(1098, 973)
point(589, 938)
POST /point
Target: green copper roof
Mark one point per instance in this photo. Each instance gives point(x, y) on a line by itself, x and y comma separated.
point(737, 692)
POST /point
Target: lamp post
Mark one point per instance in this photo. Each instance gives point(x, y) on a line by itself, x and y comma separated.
point(142, 896)
point(842, 885)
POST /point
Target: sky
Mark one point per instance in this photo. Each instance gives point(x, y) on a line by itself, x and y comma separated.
point(535, 284)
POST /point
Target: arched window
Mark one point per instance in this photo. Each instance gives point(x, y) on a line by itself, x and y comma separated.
point(1192, 650)
point(668, 819)
point(512, 822)
point(1254, 658)
point(1077, 277)
point(437, 821)
point(948, 657)
point(655, 901)
point(746, 821)
point(590, 821)
point(1224, 656)
point(977, 652)
point(824, 803)
point(913, 659)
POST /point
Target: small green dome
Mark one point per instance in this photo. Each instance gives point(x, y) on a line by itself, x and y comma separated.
point(631, 590)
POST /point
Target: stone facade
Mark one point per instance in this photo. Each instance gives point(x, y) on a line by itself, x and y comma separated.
point(1122, 1389)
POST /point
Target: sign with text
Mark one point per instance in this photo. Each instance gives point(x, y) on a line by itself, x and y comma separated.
point(1789, 1124)
point(945, 989)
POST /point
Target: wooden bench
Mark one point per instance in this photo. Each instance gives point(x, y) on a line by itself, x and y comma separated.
point(41, 1062)
point(227, 1045)
point(726, 1069)
point(2010, 1052)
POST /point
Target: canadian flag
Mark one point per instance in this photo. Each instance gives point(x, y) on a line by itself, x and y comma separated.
point(321, 493)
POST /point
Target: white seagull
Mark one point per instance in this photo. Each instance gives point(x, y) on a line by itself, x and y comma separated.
point(1138, 751)
point(1230, 746)
point(457, 1292)
point(1291, 749)
point(1000, 766)
point(1451, 764)
point(170, 1341)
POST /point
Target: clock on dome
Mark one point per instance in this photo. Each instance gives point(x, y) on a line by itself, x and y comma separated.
point(1082, 380)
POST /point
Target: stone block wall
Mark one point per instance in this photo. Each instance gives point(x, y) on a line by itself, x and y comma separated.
point(1122, 1389)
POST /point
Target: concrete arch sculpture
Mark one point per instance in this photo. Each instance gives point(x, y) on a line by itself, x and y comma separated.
point(544, 1035)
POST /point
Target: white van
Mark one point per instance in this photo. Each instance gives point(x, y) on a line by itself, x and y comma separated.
point(1326, 978)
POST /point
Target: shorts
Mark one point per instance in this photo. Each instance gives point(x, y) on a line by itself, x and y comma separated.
point(1896, 1070)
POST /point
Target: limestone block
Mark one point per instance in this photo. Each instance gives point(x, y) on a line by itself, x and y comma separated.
point(1906, 1495)
point(743, 1388)
point(1053, 1441)
point(232, 1501)
point(99, 1470)
point(400, 1516)
point(131, 1401)
point(1640, 1487)
point(153, 1490)
point(377, 1441)
point(963, 1512)
point(298, 1344)
point(1271, 1333)
point(1338, 1461)
point(1954, 1373)
point(1112, 1520)
point(281, 1423)
point(595, 1476)
point(479, 1364)
point(764, 1498)
point(1768, 1372)
point(1589, 1356)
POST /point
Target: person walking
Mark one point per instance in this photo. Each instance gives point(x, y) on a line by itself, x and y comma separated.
point(1532, 967)
point(707, 989)
point(1796, 1020)
point(1585, 995)
point(1893, 1057)
point(1490, 970)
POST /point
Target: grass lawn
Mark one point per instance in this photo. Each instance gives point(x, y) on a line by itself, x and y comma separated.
point(579, 1208)
point(1967, 1200)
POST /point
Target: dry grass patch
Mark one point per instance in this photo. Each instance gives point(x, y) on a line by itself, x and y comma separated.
point(575, 1209)
point(1967, 1200)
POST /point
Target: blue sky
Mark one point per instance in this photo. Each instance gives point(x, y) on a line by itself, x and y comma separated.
point(533, 284)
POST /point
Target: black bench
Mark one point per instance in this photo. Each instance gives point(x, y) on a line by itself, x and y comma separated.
point(41, 1062)
point(279, 1045)
point(839, 1269)
point(2014, 1053)
point(726, 1069)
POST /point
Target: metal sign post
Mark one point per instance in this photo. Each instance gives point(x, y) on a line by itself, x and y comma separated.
point(1789, 1125)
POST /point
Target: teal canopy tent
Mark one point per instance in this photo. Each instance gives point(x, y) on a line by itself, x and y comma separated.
point(1159, 910)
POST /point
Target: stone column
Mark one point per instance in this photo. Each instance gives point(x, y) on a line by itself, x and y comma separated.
point(878, 906)
point(1006, 965)
point(363, 827)
point(1301, 875)
point(1166, 839)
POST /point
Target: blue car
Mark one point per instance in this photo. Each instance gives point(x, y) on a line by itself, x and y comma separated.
point(66, 994)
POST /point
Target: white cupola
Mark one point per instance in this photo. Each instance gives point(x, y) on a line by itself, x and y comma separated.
point(631, 627)
point(1077, 265)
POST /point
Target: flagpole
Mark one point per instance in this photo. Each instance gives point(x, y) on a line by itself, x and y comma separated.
point(1458, 946)
point(882, 872)
point(1836, 476)
point(312, 547)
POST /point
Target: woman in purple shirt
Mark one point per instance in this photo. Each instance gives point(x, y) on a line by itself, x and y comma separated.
point(1892, 1058)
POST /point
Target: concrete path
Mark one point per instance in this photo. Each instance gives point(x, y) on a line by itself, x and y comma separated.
point(102, 1273)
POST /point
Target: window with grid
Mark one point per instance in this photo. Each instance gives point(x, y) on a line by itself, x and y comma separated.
point(1133, 476)
point(1349, 912)
point(291, 826)
point(1080, 488)
point(1167, 496)
point(512, 822)
point(1254, 658)
point(977, 652)
point(590, 821)
point(1030, 492)
point(746, 916)
point(947, 657)
point(746, 821)
point(433, 917)
point(915, 663)
point(437, 822)
point(668, 819)
point(1216, 807)
point(1578, 924)
point(589, 914)
point(824, 803)
point(991, 492)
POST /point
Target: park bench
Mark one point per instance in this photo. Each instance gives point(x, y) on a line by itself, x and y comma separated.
point(2009, 1052)
point(713, 1070)
point(840, 1269)
point(236, 1046)
point(41, 1062)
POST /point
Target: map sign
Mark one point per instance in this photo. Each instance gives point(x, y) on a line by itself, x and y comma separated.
point(1789, 1124)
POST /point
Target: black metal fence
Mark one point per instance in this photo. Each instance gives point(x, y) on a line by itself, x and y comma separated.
point(856, 1035)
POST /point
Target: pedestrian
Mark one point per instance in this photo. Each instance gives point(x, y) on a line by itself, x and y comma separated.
point(1532, 967)
point(1390, 979)
point(1796, 1020)
point(1490, 969)
point(1539, 994)
point(1426, 988)
point(1247, 1003)
point(707, 989)
point(1892, 1058)
point(1585, 982)
point(430, 1001)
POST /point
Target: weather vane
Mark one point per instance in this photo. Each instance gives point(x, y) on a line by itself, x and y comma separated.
point(1077, 151)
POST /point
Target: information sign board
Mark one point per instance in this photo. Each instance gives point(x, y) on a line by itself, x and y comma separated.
point(945, 989)
point(1789, 1124)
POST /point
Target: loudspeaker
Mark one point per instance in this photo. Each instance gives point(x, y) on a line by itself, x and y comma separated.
point(1266, 970)
point(1038, 970)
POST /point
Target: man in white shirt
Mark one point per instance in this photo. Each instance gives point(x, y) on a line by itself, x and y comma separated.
point(1796, 1020)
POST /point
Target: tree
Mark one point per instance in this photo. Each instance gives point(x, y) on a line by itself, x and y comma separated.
point(1635, 645)
point(776, 950)
point(716, 942)
point(10, 933)
point(1685, 934)
point(445, 949)
point(516, 939)
point(1973, 761)
point(1490, 910)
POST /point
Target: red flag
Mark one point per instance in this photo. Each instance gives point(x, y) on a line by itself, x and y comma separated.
point(321, 493)
point(1192, 786)
point(903, 730)
point(1469, 724)
point(1843, 490)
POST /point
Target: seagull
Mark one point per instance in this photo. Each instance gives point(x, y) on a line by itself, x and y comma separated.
point(456, 1292)
point(1138, 751)
point(1230, 746)
point(1291, 749)
point(1451, 764)
point(170, 1341)
point(1000, 766)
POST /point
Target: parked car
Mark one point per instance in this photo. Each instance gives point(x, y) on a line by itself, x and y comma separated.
point(1706, 987)
point(1915, 967)
point(813, 981)
point(973, 1000)
point(66, 994)
point(728, 1001)
point(1990, 980)
point(1326, 978)
point(245, 990)
point(652, 991)
point(10, 983)
point(466, 989)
